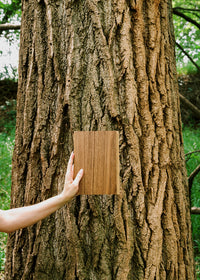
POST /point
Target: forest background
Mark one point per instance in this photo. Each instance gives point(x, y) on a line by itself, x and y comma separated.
point(187, 32)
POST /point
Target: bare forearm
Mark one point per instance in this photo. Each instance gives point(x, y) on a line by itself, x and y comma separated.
point(13, 219)
point(26, 216)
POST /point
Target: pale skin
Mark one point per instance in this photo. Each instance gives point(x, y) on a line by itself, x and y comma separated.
point(16, 218)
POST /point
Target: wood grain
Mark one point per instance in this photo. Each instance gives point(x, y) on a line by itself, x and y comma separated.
point(97, 152)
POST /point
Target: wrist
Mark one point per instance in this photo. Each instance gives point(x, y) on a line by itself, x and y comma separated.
point(63, 198)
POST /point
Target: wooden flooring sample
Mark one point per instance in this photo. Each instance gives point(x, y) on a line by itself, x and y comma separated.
point(97, 152)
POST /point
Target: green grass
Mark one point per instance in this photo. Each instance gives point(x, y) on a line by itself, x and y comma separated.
point(191, 136)
point(6, 149)
point(186, 68)
point(7, 135)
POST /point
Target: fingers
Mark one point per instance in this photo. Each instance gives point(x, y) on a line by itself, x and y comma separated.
point(70, 162)
point(78, 177)
point(70, 172)
point(70, 166)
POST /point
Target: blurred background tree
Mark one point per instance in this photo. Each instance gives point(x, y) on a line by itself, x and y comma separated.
point(187, 32)
point(10, 17)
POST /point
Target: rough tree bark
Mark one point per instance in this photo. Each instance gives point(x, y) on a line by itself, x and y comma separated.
point(101, 65)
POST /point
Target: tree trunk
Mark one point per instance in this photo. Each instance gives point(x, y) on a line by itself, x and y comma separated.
point(101, 65)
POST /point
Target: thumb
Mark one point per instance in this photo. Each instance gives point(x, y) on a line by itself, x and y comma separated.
point(78, 177)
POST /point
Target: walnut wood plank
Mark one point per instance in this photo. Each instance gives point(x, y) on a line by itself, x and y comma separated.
point(97, 152)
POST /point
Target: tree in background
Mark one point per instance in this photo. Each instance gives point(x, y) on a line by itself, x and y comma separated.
point(10, 10)
point(187, 33)
point(101, 65)
point(10, 17)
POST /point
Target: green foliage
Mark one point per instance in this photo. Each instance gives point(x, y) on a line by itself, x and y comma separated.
point(185, 68)
point(9, 73)
point(191, 136)
point(187, 34)
point(6, 150)
point(7, 118)
point(7, 135)
point(3, 240)
point(10, 10)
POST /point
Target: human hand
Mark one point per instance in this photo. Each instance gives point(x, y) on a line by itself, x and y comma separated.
point(71, 185)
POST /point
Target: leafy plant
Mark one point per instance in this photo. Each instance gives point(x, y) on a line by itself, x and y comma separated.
point(9, 72)
point(6, 149)
point(186, 17)
point(10, 10)
point(191, 136)
point(3, 240)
